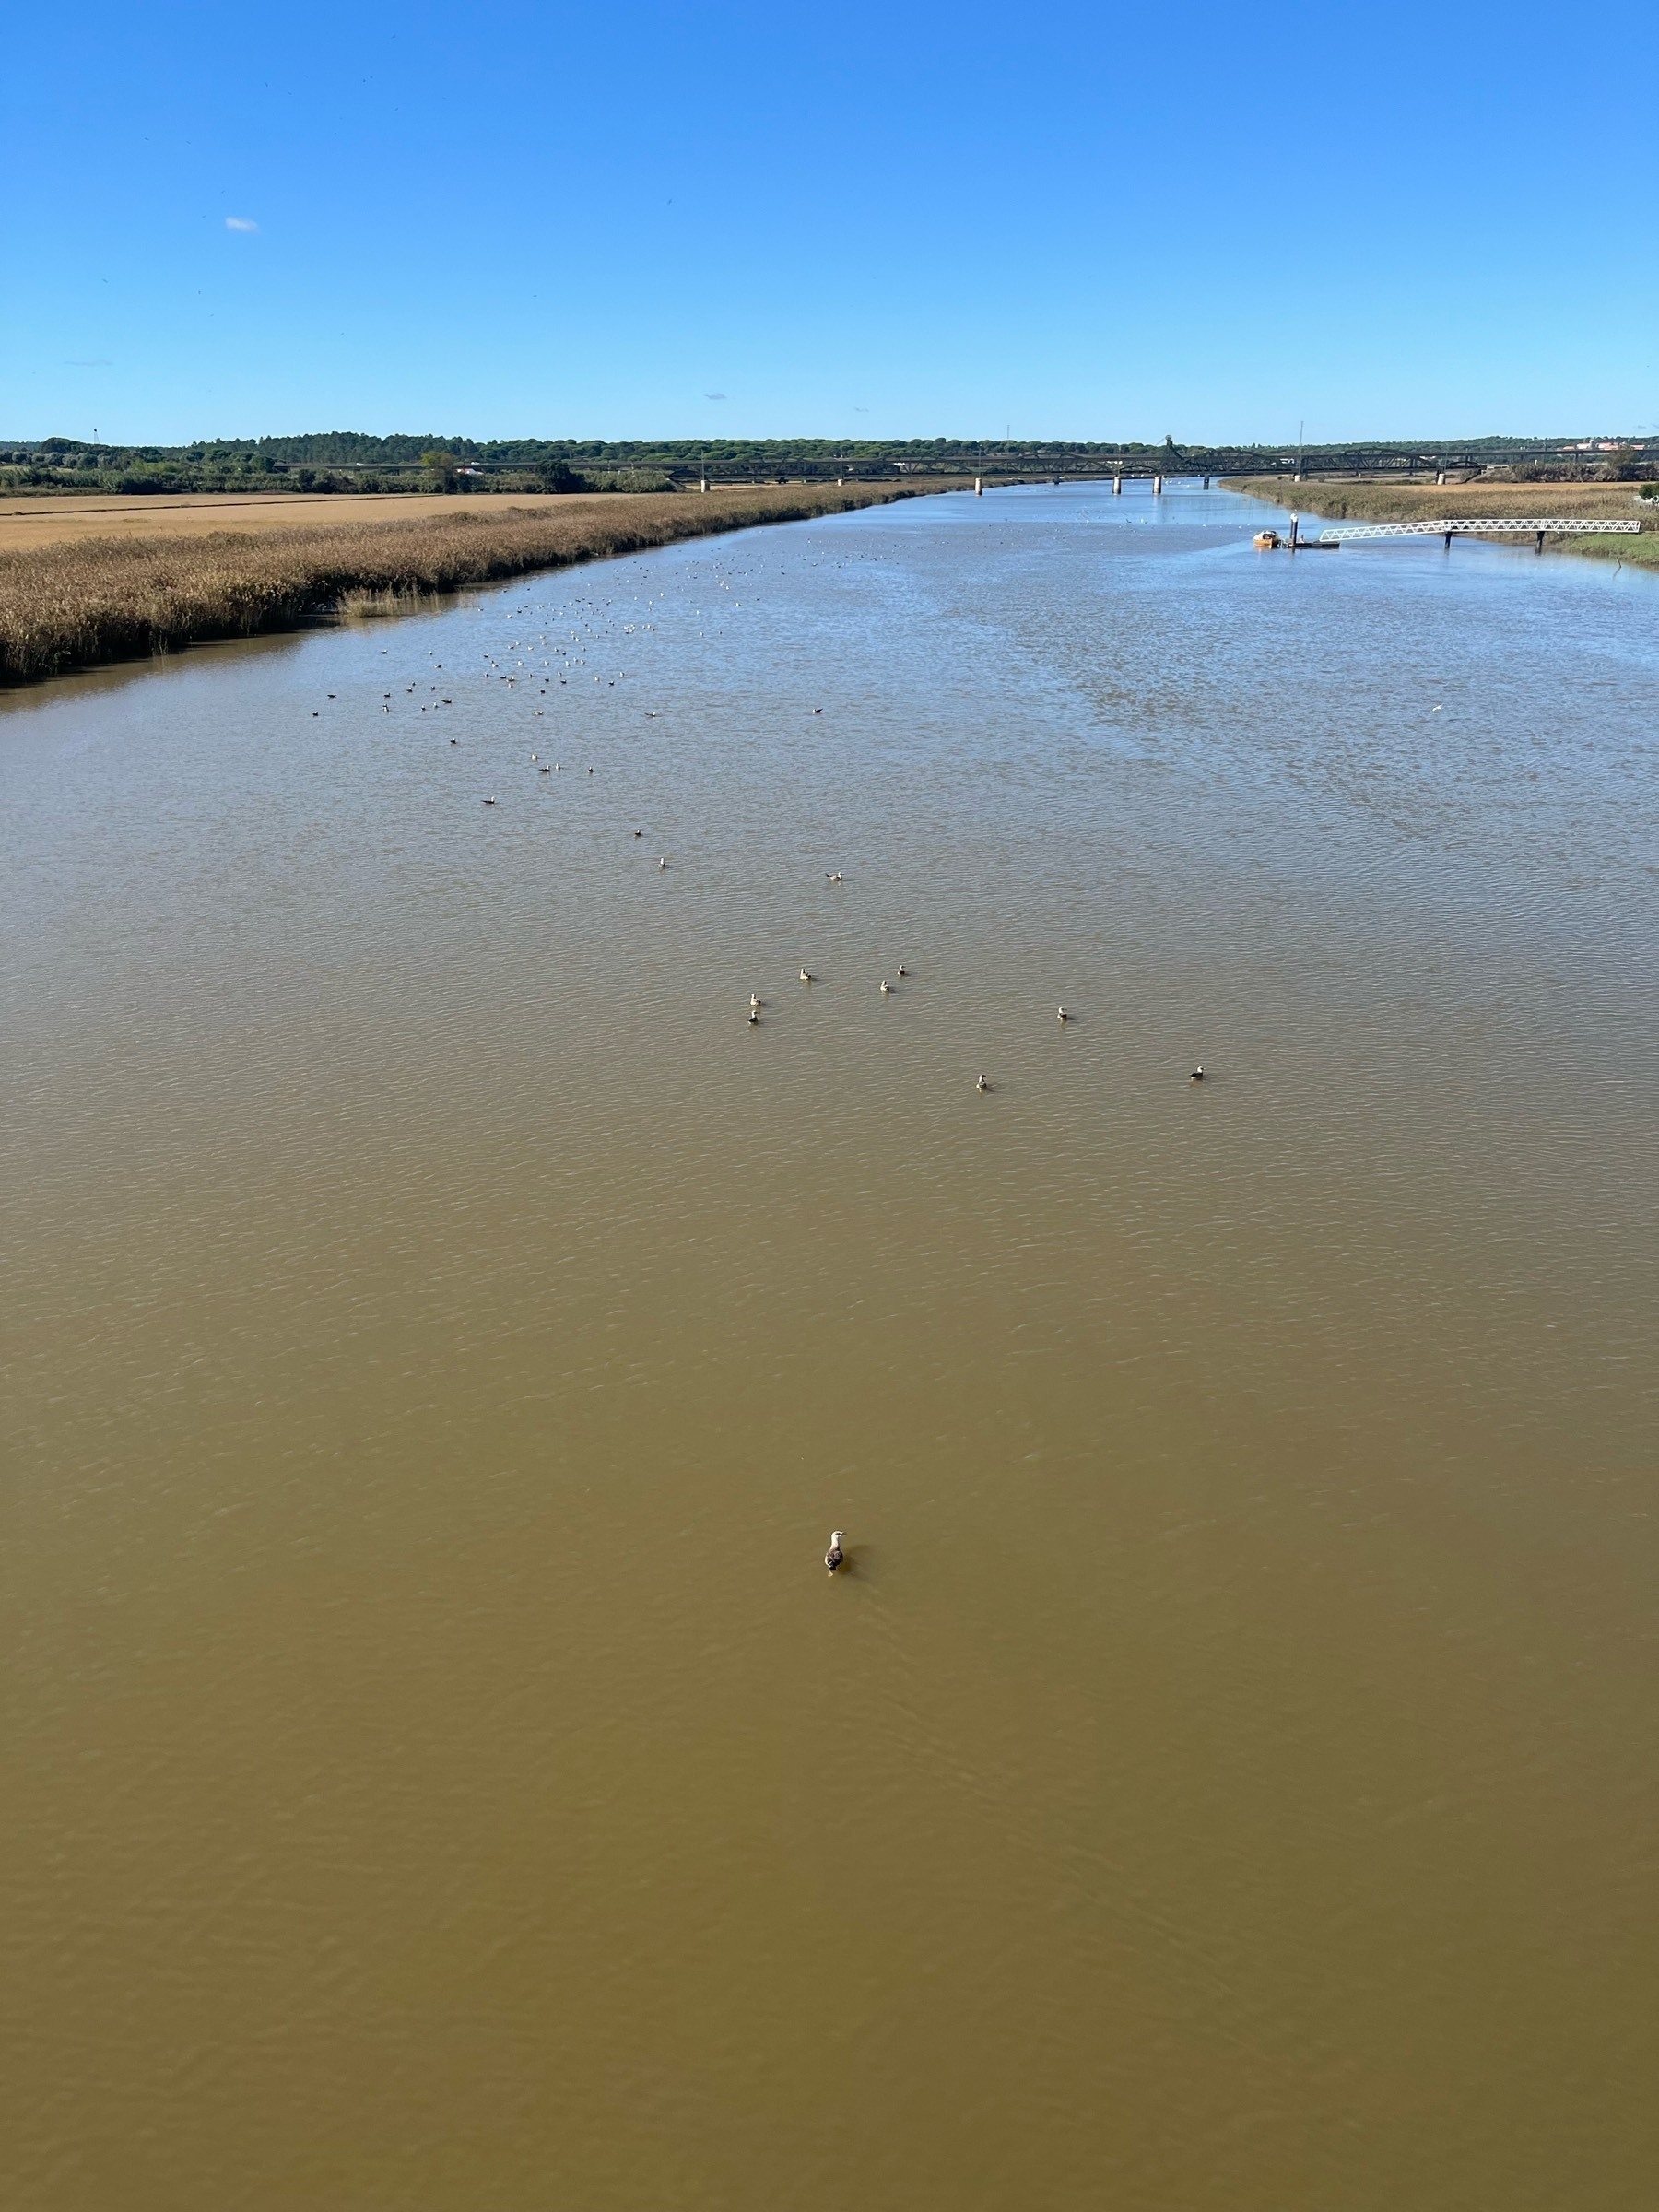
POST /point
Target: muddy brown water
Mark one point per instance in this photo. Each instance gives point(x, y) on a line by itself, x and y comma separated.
point(440, 1334)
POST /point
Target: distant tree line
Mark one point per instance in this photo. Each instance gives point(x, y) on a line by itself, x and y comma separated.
point(354, 460)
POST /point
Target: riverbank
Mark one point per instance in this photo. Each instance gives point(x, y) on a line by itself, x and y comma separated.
point(1345, 499)
point(89, 599)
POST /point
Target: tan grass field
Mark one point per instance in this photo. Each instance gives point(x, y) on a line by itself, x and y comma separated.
point(224, 570)
point(60, 519)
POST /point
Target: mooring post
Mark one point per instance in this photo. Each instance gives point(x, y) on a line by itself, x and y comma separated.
point(978, 488)
point(1117, 487)
point(1206, 483)
point(1448, 541)
point(1539, 547)
point(1158, 488)
point(1295, 532)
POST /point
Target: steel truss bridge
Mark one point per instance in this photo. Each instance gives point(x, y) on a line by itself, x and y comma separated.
point(1484, 526)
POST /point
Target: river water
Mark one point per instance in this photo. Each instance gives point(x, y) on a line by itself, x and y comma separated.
point(440, 1333)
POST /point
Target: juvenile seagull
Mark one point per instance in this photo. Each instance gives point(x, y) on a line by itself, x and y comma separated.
point(835, 1557)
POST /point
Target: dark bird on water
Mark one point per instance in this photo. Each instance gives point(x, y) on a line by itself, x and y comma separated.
point(1198, 1073)
point(835, 1557)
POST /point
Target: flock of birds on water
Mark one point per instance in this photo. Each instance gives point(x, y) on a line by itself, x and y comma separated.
point(572, 660)
point(836, 1558)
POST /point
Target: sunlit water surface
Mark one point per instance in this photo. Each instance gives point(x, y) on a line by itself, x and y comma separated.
point(440, 1334)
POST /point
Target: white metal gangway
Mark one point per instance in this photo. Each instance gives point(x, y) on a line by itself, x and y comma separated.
point(1485, 526)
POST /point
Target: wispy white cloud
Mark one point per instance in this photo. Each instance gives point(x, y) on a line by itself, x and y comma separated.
point(240, 223)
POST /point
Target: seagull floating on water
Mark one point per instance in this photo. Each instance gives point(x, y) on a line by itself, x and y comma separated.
point(903, 969)
point(835, 1557)
point(805, 977)
point(489, 801)
point(754, 1018)
point(1197, 1076)
point(886, 987)
point(837, 878)
point(1062, 1014)
point(980, 1083)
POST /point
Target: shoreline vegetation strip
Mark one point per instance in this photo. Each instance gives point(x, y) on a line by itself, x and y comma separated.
point(1336, 499)
point(90, 601)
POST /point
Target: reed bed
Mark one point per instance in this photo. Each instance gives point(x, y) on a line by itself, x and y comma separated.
point(75, 604)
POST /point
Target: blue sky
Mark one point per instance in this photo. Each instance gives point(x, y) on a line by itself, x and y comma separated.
point(858, 220)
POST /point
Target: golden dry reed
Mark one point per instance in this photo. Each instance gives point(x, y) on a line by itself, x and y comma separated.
point(105, 599)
